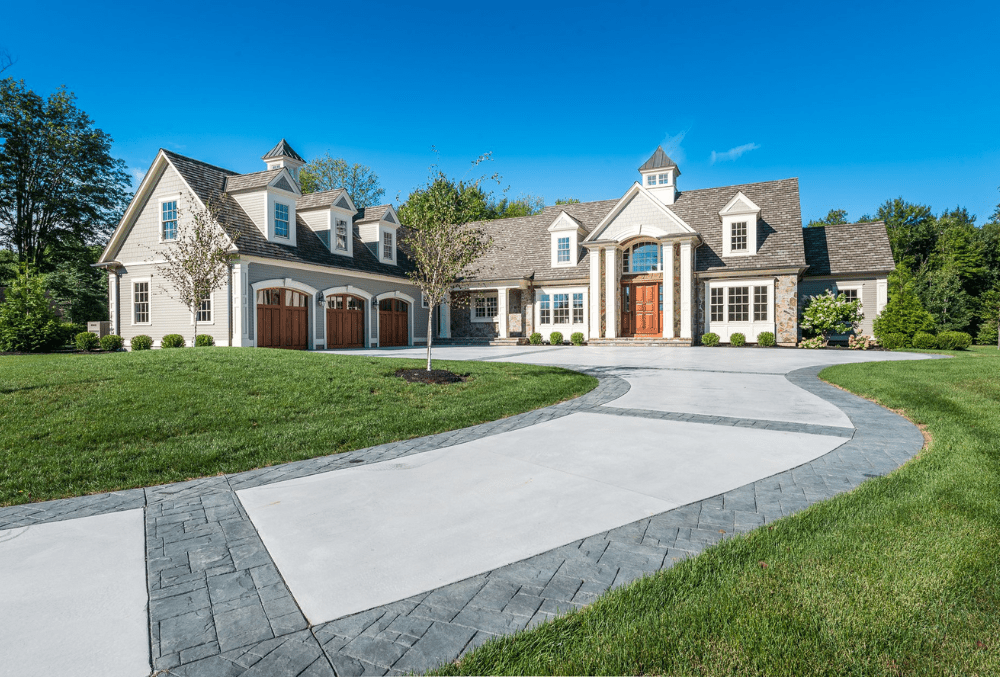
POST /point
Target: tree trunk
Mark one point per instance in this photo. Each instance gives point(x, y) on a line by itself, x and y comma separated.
point(430, 335)
point(195, 344)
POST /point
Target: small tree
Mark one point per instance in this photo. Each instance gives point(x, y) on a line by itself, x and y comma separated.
point(439, 239)
point(826, 314)
point(197, 262)
point(27, 322)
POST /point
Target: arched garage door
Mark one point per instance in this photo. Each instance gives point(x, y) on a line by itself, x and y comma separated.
point(393, 328)
point(282, 319)
point(345, 322)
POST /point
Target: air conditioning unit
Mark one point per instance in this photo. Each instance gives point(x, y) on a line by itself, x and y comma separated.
point(99, 328)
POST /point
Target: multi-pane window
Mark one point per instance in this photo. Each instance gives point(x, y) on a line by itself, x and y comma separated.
point(341, 235)
point(760, 304)
point(140, 294)
point(718, 304)
point(738, 240)
point(205, 310)
point(739, 304)
point(577, 308)
point(849, 294)
point(486, 306)
point(560, 309)
point(280, 220)
point(645, 258)
point(562, 250)
point(168, 219)
point(664, 178)
point(544, 312)
point(387, 247)
point(661, 296)
point(651, 180)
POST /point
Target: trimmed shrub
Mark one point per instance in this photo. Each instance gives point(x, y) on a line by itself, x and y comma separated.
point(535, 339)
point(576, 338)
point(556, 338)
point(925, 341)
point(953, 340)
point(87, 340)
point(204, 341)
point(813, 343)
point(172, 341)
point(141, 342)
point(711, 339)
point(111, 343)
point(894, 341)
point(765, 339)
point(904, 314)
point(737, 339)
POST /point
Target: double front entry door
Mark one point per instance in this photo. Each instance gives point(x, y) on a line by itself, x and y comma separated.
point(642, 309)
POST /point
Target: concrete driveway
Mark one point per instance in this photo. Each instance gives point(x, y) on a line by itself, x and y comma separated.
point(400, 557)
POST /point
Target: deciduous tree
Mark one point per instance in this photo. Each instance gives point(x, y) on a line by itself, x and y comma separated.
point(329, 173)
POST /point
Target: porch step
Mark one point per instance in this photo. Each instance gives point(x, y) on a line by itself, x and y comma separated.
point(481, 341)
point(635, 342)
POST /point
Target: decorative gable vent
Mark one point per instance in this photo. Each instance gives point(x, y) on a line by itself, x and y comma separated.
point(283, 185)
point(342, 203)
point(388, 217)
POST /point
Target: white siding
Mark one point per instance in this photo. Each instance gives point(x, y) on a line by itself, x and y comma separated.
point(869, 296)
point(255, 205)
point(143, 240)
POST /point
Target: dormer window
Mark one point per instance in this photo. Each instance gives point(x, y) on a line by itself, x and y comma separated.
point(387, 248)
point(341, 235)
point(738, 241)
point(280, 220)
point(168, 220)
point(562, 251)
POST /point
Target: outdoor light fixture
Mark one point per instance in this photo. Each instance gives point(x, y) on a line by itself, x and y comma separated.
point(320, 299)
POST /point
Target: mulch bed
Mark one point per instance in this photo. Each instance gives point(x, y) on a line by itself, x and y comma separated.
point(439, 376)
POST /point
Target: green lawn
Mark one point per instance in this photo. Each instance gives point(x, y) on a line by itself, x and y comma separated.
point(898, 577)
point(80, 424)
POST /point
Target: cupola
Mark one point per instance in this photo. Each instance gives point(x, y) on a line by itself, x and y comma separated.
point(282, 155)
point(659, 176)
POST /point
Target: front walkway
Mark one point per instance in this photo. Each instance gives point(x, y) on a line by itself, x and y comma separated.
point(401, 557)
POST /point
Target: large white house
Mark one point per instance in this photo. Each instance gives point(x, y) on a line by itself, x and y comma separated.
point(657, 265)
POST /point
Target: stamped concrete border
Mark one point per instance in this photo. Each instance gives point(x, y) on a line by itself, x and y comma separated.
point(218, 605)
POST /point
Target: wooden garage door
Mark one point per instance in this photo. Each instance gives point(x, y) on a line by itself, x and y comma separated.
point(345, 322)
point(282, 319)
point(392, 323)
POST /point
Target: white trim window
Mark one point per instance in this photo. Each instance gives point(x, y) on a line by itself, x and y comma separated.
point(560, 309)
point(168, 220)
point(562, 250)
point(387, 248)
point(204, 314)
point(423, 301)
point(341, 235)
point(744, 306)
point(738, 300)
point(642, 257)
point(852, 293)
point(485, 308)
point(140, 302)
point(739, 238)
point(578, 308)
point(664, 179)
point(651, 179)
point(718, 304)
point(281, 220)
point(544, 309)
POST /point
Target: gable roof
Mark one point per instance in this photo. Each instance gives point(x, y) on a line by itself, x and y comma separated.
point(659, 160)
point(282, 150)
point(208, 182)
point(371, 214)
point(236, 183)
point(325, 198)
point(848, 248)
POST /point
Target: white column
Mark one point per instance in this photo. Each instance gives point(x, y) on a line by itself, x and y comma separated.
point(594, 298)
point(687, 285)
point(502, 311)
point(239, 307)
point(611, 289)
point(113, 302)
point(668, 290)
point(445, 317)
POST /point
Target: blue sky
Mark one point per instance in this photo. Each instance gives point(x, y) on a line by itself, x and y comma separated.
point(860, 102)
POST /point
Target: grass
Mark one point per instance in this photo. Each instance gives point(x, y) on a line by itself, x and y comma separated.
point(79, 424)
point(898, 577)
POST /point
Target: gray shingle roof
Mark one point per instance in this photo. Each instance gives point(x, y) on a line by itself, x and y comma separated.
point(208, 182)
point(659, 160)
point(848, 248)
point(282, 150)
point(240, 182)
point(320, 200)
point(370, 214)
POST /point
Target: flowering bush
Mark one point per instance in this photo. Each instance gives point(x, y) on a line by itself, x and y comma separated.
point(814, 342)
point(827, 314)
point(860, 342)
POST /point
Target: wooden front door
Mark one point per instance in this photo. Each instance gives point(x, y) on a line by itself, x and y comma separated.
point(642, 313)
point(282, 319)
point(393, 327)
point(345, 322)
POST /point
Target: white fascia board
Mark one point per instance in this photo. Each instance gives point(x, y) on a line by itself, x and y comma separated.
point(139, 200)
point(726, 211)
point(636, 189)
point(397, 223)
point(566, 222)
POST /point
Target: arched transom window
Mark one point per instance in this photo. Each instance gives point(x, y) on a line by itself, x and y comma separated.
point(642, 257)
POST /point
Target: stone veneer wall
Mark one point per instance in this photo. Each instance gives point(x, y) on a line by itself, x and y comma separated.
point(698, 326)
point(786, 309)
point(603, 293)
point(528, 310)
point(515, 313)
point(462, 325)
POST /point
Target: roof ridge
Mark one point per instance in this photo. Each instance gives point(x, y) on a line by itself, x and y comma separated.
point(201, 162)
point(853, 223)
